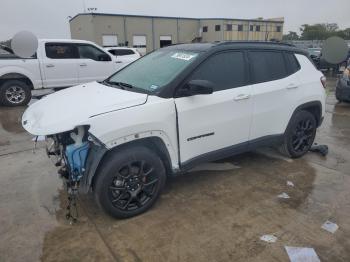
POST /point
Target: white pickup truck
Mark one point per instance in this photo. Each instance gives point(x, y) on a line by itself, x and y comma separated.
point(57, 64)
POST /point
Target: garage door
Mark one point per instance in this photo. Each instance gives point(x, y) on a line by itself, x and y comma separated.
point(165, 40)
point(110, 40)
point(140, 43)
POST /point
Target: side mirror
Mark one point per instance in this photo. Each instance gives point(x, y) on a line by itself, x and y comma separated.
point(104, 57)
point(196, 87)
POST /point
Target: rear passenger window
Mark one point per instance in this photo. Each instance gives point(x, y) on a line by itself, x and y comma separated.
point(267, 66)
point(292, 63)
point(121, 52)
point(225, 70)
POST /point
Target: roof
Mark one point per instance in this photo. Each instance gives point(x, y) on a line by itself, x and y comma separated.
point(64, 40)
point(191, 47)
point(170, 17)
point(119, 47)
point(202, 47)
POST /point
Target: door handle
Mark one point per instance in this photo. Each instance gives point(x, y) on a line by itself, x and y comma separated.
point(50, 65)
point(292, 86)
point(241, 97)
point(83, 64)
point(119, 62)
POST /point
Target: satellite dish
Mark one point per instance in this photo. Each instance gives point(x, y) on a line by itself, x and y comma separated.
point(335, 50)
point(24, 44)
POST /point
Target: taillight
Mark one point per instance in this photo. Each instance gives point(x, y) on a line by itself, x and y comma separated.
point(323, 81)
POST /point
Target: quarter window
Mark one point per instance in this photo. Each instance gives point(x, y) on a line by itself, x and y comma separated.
point(225, 70)
point(61, 51)
point(292, 63)
point(121, 52)
point(267, 66)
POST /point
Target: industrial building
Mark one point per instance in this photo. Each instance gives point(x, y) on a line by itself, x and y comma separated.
point(148, 33)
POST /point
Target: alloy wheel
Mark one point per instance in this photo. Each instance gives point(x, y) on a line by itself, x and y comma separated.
point(15, 94)
point(303, 135)
point(133, 186)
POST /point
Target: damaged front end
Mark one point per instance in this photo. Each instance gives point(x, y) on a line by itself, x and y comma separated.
point(77, 154)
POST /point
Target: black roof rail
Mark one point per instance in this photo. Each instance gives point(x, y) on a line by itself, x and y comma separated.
point(253, 42)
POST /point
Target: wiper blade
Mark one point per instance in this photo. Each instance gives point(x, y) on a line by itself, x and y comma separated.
point(121, 84)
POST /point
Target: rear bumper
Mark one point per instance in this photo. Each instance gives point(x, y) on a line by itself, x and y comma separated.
point(343, 90)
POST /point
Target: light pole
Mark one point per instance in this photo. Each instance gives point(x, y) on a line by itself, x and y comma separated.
point(84, 6)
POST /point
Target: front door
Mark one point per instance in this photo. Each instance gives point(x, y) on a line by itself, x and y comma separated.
point(218, 122)
point(59, 65)
point(94, 64)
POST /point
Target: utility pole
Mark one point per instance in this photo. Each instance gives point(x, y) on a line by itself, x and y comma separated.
point(84, 6)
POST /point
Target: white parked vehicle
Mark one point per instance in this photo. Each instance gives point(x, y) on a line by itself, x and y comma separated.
point(124, 55)
point(175, 108)
point(57, 63)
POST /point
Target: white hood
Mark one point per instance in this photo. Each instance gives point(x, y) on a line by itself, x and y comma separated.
point(64, 110)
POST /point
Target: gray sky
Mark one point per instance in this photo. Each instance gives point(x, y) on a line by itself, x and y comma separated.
point(48, 18)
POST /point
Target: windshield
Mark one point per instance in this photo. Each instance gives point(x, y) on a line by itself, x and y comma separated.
point(155, 70)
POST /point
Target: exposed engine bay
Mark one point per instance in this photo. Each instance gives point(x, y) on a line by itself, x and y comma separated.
point(69, 151)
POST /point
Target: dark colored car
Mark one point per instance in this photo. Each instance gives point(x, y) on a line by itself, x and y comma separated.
point(342, 92)
point(322, 64)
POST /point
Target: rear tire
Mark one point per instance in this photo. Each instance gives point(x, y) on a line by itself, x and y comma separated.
point(129, 182)
point(299, 135)
point(15, 93)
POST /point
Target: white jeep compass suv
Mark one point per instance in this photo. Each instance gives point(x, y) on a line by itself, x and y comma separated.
point(174, 108)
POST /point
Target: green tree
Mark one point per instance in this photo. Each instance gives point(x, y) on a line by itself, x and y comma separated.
point(322, 31)
point(291, 36)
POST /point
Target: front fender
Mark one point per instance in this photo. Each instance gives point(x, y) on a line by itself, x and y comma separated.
point(98, 151)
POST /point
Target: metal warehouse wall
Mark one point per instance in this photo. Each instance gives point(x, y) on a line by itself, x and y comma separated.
point(212, 35)
point(139, 26)
point(181, 30)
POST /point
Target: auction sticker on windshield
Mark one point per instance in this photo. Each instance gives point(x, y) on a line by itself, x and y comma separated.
point(183, 56)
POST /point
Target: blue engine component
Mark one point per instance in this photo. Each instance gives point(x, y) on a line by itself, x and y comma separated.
point(76, 156)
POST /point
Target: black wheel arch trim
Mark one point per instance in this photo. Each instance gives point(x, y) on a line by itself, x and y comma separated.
point(100, 153)
point(309, 106)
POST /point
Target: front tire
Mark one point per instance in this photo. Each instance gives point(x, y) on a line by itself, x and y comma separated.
point(129, 182)
point(15, 93)
point(299, 135)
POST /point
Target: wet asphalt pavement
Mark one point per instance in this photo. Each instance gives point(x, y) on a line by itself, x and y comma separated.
point(216, 213)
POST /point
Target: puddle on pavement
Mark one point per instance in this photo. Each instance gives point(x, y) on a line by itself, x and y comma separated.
point(205, 211)
point(196, 215)
point(10, 119)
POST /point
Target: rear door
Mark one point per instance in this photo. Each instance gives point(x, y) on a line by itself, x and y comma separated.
point(214, 122)
point(274, 90)
point(60, 65)
point(92, 65)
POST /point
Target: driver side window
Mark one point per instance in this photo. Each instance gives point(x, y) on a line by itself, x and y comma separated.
point(91, 52)
point(225, 70)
